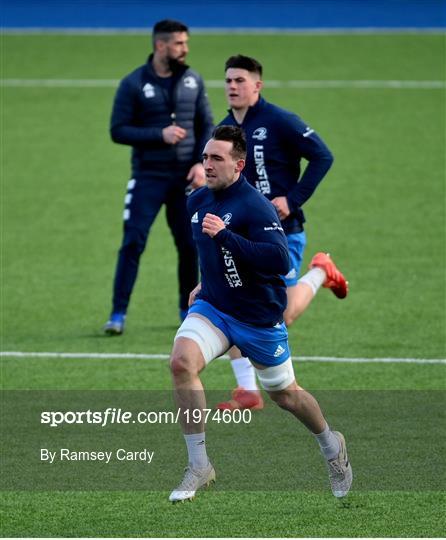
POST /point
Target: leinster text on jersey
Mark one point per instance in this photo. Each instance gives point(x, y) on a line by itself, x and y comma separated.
point(231, 273)
point(262, 183)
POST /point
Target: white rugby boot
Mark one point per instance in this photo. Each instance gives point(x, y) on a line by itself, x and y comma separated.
point(340, 470)
point(193, 480)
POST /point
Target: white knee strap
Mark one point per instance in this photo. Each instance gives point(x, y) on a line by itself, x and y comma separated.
point(209, 338)
point(276, 377)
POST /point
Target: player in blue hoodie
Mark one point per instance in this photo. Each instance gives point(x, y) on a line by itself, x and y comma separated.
point(277, 142)
point(243, 252)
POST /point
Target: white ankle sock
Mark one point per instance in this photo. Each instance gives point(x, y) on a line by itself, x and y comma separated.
point(328, 442)
point(314, 278)
point(244, 373)
point(196, 450)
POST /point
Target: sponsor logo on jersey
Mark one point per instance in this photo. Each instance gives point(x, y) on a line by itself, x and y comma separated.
point(308, 131)
point(291, 274)
point(231, 272)
point(149, 90)
point(190, 82)
point(194, 218)
point(227, 218)
point(260, 134)
point(262, 184)
point(273, 227)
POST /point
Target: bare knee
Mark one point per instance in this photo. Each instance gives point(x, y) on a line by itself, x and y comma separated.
point(289, 399)
point(284, 399)
point(293, 311)
point(299, 298)
point(289, 318)
point(182, 364)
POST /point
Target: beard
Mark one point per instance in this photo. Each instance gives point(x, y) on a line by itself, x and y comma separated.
point(176, 63)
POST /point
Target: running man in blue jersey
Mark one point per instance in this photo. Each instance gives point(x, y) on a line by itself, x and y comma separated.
point(240, 301)
point(277, 142)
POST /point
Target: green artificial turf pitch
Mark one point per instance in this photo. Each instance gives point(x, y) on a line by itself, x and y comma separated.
point(379, 212)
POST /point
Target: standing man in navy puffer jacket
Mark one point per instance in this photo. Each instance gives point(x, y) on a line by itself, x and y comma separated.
point(161, 109)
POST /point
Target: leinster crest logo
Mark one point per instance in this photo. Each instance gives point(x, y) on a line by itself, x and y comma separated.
point(227, 218)
point(260, 134)
point(190, 82)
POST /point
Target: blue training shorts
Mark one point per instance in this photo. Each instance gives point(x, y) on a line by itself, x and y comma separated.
point(266, 346)
point(296, 247)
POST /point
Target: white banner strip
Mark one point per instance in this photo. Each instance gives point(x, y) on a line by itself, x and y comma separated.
point(136, 356)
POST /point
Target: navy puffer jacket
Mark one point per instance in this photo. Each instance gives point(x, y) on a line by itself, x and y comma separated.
point(143, 107)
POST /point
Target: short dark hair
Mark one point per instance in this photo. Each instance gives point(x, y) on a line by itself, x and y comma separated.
point(244, 62)
point(236, 136)
point(163, 29)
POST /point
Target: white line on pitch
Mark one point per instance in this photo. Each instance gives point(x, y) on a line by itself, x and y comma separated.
point(136, 356)
point(321, 84)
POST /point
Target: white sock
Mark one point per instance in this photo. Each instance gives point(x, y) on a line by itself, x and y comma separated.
point(314, 278)
point(244, 373)
point(328, 443)
point(196, 450)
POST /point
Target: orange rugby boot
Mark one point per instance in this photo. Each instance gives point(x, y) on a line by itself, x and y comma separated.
point(335, 279)
point(243, 399)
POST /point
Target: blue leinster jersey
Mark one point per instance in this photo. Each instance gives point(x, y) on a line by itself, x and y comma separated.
point(241, 266)
point(277, 140)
